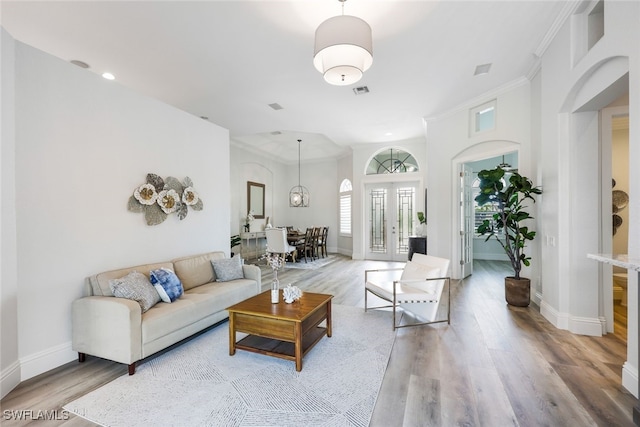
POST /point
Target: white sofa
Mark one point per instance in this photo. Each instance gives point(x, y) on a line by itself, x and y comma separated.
point(116, 329)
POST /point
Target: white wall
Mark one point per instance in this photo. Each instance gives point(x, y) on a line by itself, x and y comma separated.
point(450, 144)
point(571, 93)
point(246, 166)
point(83, 144)
point(9, 367)
point(320, 178)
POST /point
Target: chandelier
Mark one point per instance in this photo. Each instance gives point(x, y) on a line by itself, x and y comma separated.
point(343, 49)
point(299, 195)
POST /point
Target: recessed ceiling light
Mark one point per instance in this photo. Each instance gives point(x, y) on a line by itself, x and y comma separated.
point(482, 69)
point(80, 64)
point(108, 76)
point(388, 134)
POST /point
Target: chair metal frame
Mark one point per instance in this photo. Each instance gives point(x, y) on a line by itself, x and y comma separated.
point(395, 303)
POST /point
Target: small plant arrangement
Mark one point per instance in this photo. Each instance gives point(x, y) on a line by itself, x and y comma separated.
point(421, 228)
point(234, 241)
point(248, 220)
point(274, 260)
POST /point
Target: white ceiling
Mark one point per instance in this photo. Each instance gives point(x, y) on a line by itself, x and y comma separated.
point(227, 60)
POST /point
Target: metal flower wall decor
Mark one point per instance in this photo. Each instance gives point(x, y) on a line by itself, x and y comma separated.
point(158, 198)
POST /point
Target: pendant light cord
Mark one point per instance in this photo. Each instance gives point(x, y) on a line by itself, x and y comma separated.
point(299, 141)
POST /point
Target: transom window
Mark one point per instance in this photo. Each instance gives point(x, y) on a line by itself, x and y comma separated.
point(392, 160)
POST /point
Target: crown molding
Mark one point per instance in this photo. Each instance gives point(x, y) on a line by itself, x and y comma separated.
point(568, 9)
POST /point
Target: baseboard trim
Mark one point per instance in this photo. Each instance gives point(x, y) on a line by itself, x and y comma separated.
point(630, 378)
point(491, 257)
point(552, 315)
point(43, 361)
point(591, 326)
point(9, 379)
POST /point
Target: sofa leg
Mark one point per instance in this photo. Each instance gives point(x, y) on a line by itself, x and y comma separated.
point(132, 368)
point(82, 357)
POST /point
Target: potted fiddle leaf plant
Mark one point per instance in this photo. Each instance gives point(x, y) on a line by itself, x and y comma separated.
point(507, 226)
point(234, 241)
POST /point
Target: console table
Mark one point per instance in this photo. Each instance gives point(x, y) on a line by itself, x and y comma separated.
point(256, 249)
point(417, 244)
point(628, 263)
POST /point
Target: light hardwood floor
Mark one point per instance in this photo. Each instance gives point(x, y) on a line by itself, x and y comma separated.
point(494, 365)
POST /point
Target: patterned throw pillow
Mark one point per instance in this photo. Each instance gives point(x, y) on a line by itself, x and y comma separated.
point(167, 284)
point(135, 286)
point(227, 269)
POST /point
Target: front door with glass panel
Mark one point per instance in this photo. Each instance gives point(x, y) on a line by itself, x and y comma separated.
point(391, 216)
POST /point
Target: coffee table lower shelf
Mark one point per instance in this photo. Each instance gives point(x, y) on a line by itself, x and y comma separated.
point(278, 348)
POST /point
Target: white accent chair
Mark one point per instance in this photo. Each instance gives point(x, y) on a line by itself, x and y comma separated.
point(418, 290)
point(277, 243)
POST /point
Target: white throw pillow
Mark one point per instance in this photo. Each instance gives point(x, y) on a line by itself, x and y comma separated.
point(415, 271)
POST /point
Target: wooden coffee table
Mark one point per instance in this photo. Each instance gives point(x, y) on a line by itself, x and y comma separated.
point(287, 331)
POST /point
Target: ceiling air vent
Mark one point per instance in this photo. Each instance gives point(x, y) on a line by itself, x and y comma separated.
point(360, 90)
point(482, 69)
point(276, 106)
point(80, 64)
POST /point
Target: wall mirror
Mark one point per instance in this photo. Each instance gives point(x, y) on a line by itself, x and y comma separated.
point(255, 199)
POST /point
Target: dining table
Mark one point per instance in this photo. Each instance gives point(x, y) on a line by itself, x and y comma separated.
point(295, 238)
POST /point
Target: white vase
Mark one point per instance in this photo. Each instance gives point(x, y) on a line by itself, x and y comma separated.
point(275, 288)
point(421, 230)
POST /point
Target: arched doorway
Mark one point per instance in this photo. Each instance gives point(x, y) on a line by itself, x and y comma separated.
point(463, 234)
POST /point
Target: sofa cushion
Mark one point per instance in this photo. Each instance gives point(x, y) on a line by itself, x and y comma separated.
point(100, 282)
point(136, 286)
point(167, 284)
point(196, 270)
point(228, 269)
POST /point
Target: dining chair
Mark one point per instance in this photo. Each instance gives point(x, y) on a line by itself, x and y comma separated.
point(322, 241)
point(305, 246)
point(315, 243)
point(277, 242)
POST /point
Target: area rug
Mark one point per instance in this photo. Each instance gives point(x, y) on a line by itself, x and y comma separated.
point(199, 384)
point(311, 265)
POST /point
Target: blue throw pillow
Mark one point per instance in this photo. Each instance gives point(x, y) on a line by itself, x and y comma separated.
point(167, 284)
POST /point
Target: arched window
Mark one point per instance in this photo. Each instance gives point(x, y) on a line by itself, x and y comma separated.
point(392, 160)
point(345, 207)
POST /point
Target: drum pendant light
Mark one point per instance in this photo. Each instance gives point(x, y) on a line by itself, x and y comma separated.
point(343, 49)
